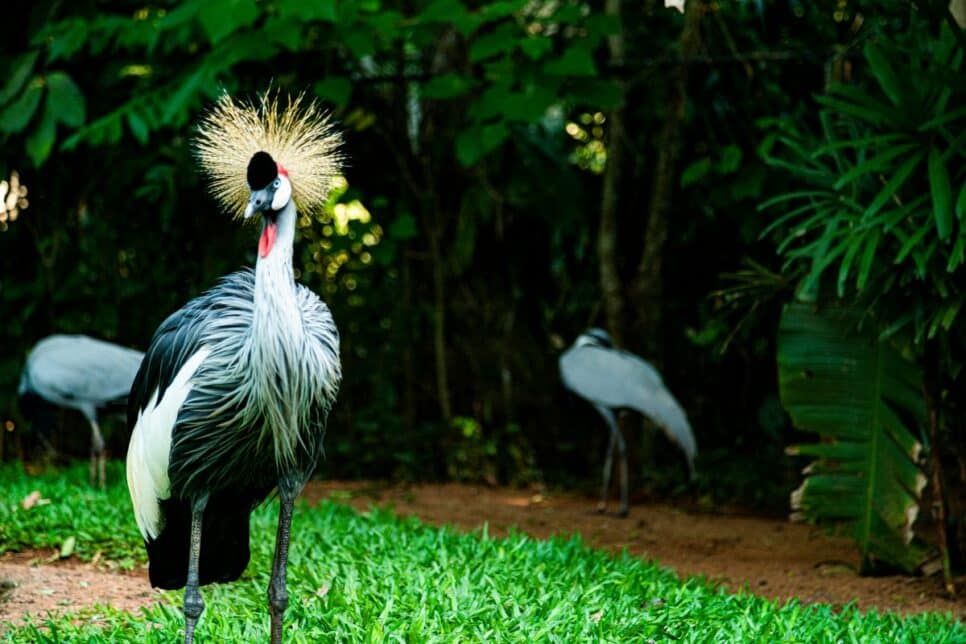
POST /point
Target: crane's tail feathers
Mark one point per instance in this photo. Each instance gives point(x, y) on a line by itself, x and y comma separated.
point(667, 414)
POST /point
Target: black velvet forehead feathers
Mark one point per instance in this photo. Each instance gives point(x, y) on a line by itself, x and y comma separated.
point(262, 170)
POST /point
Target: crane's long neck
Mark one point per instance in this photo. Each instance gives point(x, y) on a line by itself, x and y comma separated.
point(275, 345)
point(274, 279)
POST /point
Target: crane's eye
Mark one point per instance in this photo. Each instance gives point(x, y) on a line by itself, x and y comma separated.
point(276, 183)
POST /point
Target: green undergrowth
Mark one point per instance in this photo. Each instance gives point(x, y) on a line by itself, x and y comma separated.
point(374, 577)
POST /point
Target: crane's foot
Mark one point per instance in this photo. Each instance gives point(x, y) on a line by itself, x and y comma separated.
point(194, 605)
point(277, 603)
point(102, 469)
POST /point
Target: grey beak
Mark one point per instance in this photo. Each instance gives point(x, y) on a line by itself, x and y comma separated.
point(259, 201)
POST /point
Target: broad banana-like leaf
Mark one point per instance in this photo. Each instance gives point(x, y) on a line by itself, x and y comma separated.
point(864, 399)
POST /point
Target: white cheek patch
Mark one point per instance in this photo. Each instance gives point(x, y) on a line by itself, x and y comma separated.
point(282, 194)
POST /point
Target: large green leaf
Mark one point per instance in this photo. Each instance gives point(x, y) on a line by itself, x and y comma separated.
point(221, 18)
point(18, 74)
point(942, 194)
point(15, 117)
point(863, 398)
point(65, 100)
point(41, 140)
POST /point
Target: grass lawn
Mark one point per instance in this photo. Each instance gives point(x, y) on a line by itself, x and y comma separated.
point(374, 577)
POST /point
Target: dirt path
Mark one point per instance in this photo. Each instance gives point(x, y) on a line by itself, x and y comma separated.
point(772, 558)
point(33, 583)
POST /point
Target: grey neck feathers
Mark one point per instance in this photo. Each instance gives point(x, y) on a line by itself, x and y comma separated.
point(275, 345)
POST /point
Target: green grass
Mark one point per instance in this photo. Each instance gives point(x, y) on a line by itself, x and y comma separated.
point(374, 577)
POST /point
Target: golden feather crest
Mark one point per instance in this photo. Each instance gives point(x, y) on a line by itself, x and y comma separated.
point(298, 135)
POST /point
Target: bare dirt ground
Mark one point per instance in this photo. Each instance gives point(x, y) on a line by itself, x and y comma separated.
point(769, 557)
point(37, 583)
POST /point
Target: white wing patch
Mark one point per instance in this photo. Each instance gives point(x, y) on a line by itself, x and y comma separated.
point(150, 448)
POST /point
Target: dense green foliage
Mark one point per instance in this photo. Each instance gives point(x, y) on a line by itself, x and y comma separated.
point(877, 220)
point(374, 577)
point(464, 239)
point(879, 185)
point(468, 244)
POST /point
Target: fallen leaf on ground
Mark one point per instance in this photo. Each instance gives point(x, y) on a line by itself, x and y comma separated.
point(595, 617)
point(67, 549)
point(32, 499)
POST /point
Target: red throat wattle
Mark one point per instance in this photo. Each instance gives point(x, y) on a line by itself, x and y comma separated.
point(267, 240)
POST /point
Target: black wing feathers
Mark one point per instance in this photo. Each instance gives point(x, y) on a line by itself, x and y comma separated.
point(180, 336)
point(174, 342)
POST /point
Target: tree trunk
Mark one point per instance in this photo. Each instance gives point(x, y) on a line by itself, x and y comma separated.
point(409, 371)
point(646, 287)
point(610, 282)
point(439, 325)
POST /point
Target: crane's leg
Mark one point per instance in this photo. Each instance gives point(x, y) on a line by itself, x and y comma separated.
point(97, 455)
point(194, 604)
point(277, 593)
point(615, 438)
point(608, 465)
point(622, 450)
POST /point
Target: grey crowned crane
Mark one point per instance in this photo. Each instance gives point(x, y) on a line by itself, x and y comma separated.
point(77, 372)
point(610, 379)
point(231, 400)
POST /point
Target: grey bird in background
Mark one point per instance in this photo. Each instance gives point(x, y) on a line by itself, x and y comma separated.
point(77, 372)
point(232, 398)
point(611, 379)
